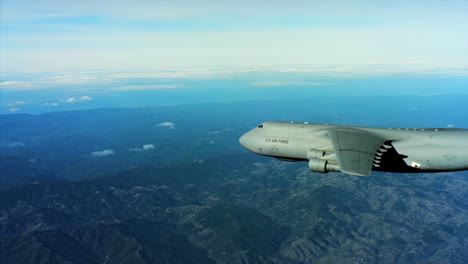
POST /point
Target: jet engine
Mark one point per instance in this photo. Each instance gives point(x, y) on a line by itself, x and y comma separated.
point(315, 154)
point(322, 166)
point(320, 162)
point(318, 165)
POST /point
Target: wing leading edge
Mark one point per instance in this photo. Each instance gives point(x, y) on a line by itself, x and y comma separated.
point(355, 149)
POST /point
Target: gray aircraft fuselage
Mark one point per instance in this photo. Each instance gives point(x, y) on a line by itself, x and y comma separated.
point(359, 150)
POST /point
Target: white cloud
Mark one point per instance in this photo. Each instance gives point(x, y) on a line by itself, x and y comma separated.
point(17, 85)
point(102, 153)
point(14, 109)
point(85, 98)
point(146, 87)
point(41, 79)
point(47, 82)
point(322, 32)
point(12, 144)
point(53, 104)
point(167, 124)
point(258, 75)
point(75, 100)
point(212, 142)
point(148, 146)
point(413, 62)
point(170, 11)
point(7, 83)
point(286, 83)
point(236, 48)
point(136, 149)
point(17, 103)
point(449, 126)
point(144, 148)
point(69, 100)
point(214, 132)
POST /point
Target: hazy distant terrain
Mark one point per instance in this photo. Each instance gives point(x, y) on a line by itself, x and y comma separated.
point(172, 185)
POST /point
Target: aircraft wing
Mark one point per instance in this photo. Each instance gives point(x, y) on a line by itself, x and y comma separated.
point(355, 149)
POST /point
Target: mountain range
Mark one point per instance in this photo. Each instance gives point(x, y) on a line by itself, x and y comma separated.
point(197, 197)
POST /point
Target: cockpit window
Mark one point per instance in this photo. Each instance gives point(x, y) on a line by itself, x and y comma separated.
point(260, 126)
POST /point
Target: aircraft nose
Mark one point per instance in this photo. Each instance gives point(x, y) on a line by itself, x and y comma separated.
point(243, 140)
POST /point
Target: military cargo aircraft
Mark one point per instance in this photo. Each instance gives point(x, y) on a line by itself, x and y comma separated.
point(361, 150)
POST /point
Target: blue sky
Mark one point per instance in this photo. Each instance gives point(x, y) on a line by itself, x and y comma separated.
point(146, 45)
point(83, 35)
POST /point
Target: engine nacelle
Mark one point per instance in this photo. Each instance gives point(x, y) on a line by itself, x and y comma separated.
point(315, 154)
point(322, 166)
point(318, 165)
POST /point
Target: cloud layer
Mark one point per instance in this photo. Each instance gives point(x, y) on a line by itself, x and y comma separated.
point(55, 36)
